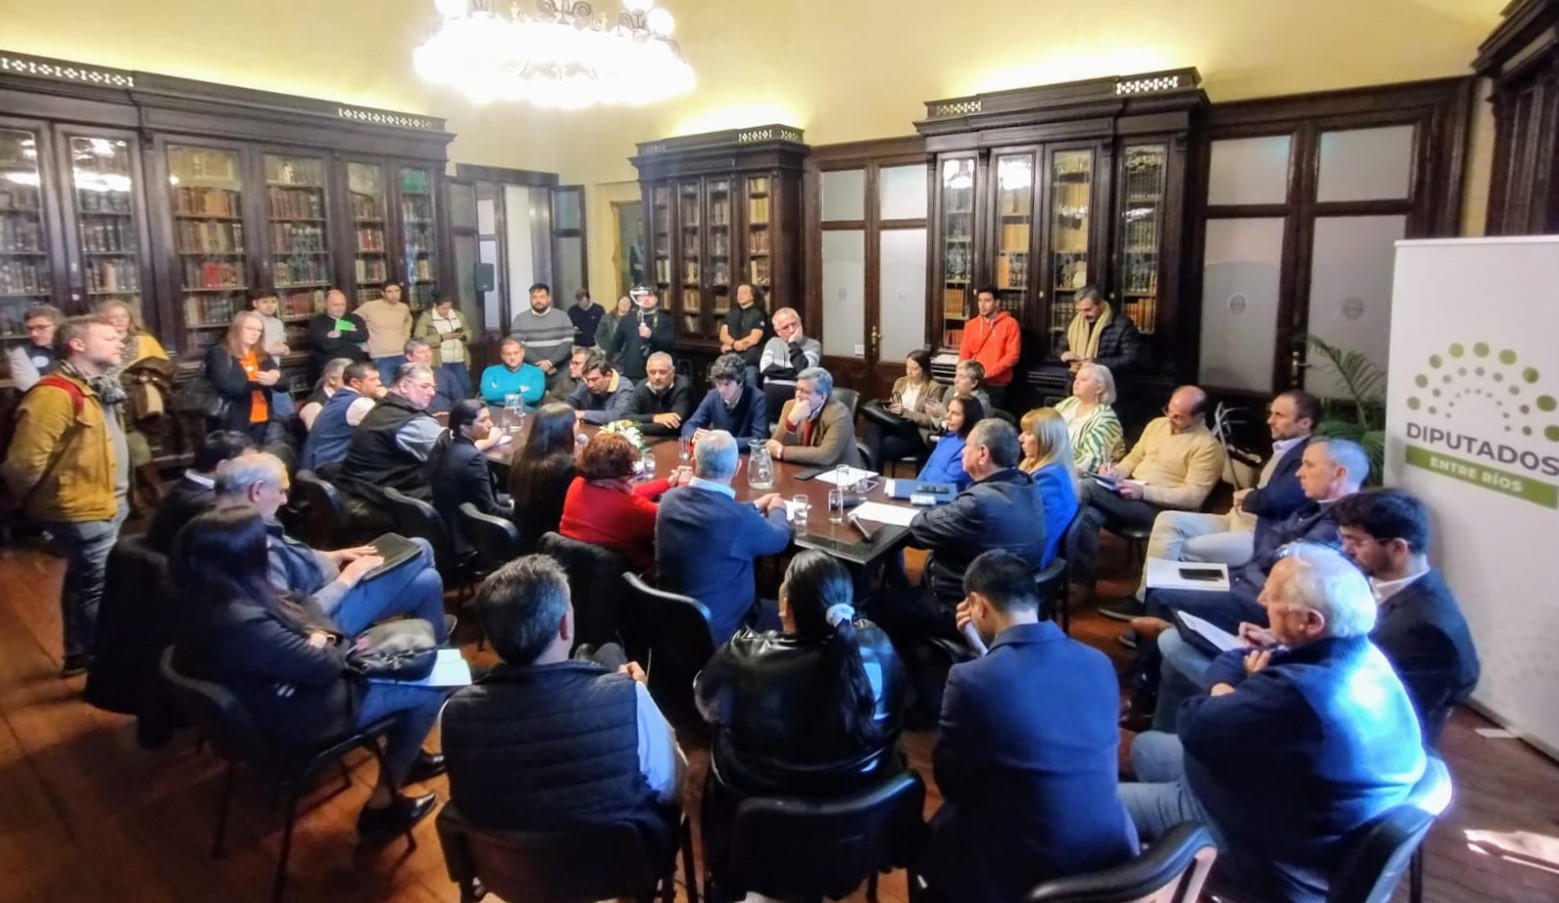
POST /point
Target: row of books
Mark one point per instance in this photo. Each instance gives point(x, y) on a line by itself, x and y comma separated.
point(1012, 269)
point(24, 277)
point(422, 270)
point(955, 304)
point(421, 296)
point(1072, 273)
point(758, 271)
point(23, 198)
point(107, 236)
point(954, 337)
point(201, 310)
point(290, 238)
point(692, 301)
point(213, 274)
point(115, 202)
point(113, 275)
point(370, 238)
point(306, 269)
point(1143, 312)
point(307, 173)
point(295, 203)
point(21, 232)
point(1139, 273)
point(758, 241)
point(372, 271)
point(365, 206)
point(757, 211)
point(206, 202)
point(209, 237)
point(417, 210)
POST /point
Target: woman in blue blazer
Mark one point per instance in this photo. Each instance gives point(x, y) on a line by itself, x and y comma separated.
point(946, 464)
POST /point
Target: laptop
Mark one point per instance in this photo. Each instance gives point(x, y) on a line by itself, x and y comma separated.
point(395, 549)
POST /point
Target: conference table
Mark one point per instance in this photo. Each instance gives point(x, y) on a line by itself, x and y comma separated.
point(843, 541)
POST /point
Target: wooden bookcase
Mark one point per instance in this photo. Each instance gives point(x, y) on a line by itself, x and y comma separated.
point(179, 196)
point(1042, 191)
point(722, 209)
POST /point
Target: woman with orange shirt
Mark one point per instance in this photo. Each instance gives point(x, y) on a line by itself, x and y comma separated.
point(245, 376)
point(605, 508)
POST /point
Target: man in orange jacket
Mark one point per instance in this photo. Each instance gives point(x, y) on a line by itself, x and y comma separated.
point(992, 339)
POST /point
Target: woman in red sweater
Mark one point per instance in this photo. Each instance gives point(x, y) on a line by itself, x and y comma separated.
point(604, 506)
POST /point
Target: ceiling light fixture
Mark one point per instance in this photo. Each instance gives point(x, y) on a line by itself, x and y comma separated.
point(561, 55)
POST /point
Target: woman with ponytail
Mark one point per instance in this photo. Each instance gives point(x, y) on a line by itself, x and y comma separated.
point(814, 710)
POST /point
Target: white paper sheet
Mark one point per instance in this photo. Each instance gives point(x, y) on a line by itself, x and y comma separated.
point(897, 515)
point(1165, 574)
point(852, 475)
point(449, 670)
point(1210, 632)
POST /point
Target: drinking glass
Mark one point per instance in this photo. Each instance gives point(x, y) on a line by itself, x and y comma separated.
point(647, 460)
point(836, 506)
point(800, 510)
point(514, 411)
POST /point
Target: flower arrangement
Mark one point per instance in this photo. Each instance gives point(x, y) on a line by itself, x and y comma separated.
point(628, 430)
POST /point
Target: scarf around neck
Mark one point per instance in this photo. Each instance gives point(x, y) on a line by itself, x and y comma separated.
point(1083, 341)
point(107, 386)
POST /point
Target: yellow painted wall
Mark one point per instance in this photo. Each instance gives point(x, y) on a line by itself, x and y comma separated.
point(1480, 164)
point(601, 233)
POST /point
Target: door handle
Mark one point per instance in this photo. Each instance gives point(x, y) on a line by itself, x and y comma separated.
point(876, 336)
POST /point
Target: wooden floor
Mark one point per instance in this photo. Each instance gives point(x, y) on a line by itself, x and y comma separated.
point(86, 815)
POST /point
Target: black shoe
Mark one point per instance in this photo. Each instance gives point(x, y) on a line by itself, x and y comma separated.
point(75, 664)
point(1124, 610)
point(427, 767)
point(397, 818)
point(1128, 639)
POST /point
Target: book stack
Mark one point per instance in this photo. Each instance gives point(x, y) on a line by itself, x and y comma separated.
point(295, 203)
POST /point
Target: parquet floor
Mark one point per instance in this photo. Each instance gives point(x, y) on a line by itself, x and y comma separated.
point(86, 815)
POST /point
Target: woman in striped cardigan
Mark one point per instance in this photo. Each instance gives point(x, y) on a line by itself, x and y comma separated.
point(1091, 423)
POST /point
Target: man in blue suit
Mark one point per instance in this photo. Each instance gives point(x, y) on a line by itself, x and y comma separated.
point(1301, 738)
point(705, 540)
point(1026, 752)
point(1419, 628)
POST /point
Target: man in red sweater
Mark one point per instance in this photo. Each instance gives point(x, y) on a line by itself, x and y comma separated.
point(992, 339)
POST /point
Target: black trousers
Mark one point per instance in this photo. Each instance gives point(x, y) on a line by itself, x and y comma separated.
point(1102, 508)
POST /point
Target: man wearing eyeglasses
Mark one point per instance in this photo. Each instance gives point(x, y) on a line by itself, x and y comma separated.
point(390, 448)
point(1175, 464)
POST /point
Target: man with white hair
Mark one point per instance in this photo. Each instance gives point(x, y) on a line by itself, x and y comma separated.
point(1303, 736)
point(705, 540)
point(333, 579)
point(664, 401)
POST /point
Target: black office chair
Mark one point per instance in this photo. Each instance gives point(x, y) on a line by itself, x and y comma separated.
point(594, 862)
point(1053, 587)
point(1382, 850)
point(868, 460)
point(850, 398)
point(290, 767)
point(595, 584)
point(789, 847)
point(418, 519)
point(775, 393)
point(495, 540)
point(672, 635)
point(325, 523)
point(1172, 870)
point(140, 615)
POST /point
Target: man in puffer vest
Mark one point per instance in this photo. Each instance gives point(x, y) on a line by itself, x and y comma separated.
point(545, 742)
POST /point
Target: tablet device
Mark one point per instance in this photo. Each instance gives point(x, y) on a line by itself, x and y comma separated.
point(395, 549)
point(809, 473)
point(1202, 575)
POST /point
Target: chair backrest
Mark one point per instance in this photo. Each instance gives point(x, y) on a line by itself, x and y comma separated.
point(495, 539)
point(139, 616)
point(807, 847)
point(1379, 852)
point(1172, 870)
point(219, 715)
point(672, 633)
point(868, 460)
point(775, 393)
point(595, 585)
point(1004, 416)
point(324, 514)
point(417, 519)
point(850, 398)
point(593, 862)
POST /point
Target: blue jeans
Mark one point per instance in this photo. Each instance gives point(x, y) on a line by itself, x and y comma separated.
point(387, 367)
point(1180, 677)
point(1161, 799)
point(418, 708)
point(85, 547)
point(412, 588)
point(462, 375)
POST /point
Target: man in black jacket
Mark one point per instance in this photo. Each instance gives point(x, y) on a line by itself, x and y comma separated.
point(195, 492)
point(1100, 335)
point(336, 333)
point(392, 444)
point(637, 337)
point(543, 742)
point(663, 400)
point(1002, 509)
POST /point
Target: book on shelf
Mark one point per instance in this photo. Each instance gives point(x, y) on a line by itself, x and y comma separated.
point(758, 271)
point(301, 304)
point(99, 236)
point(20, 198)
point(365, 206)
point(292, 238)
point(758, 211)
point(370, 239)
point(105, 276)
point(21, 232)
point(294, 271)
point(662, 270)
point(422, 270)
point(1061, 313)
point(23, 277)
point(691, 301)
point(1015, 236)
point(295, 203)
point(758, 185)
point(213, 274)
point(758, 241)
point(196, 237)
point(206, 202)
point(116, 203)
point(1143, 312)
point(371, 271)
point(210, 310)
point(955, 337)
point(954, 304)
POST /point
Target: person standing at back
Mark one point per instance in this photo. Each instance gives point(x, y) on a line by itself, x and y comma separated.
point(1099, 335)
point(644, 333)
point(36, 358)
point(744, 328)
point(69, 469)
point(337, 333)
point(1026, 750)
point(389, 324)
point(444, 328)
point(993, 339)
point(586, 317)
point(547, 334)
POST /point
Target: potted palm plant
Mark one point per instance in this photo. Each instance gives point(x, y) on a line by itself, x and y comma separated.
point(1361, 415)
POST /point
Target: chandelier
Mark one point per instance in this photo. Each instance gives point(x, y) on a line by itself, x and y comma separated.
point(559, 55)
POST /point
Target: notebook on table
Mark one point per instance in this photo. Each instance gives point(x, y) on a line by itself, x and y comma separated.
point(903, 489)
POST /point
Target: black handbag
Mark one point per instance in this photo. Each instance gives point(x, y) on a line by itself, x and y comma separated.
point(395, 650)
point(199, 396)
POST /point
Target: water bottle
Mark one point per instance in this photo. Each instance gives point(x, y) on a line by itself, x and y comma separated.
point(760, 467)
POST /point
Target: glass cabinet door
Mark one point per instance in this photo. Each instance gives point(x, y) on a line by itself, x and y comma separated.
point(25, 277)
point(660, 241)
point(208, 236)
point(956, 184)
point(690, 219)
point(298, 239)
point(1014, 229)
point(1144, 169)
point(719, 233)
point(1071, 198)
point(103, 205)
point(371, 268)
point(760, 243)
point(419, 236)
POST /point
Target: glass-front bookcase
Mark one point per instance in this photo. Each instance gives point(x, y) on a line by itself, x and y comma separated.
point(957, 255)
point(1014, 206)
point(419, 236)
point(370, 257)
point(1143, 190)
point(206, 186)
point(298, 237)
point(718, 195)
point(690, 220)
point(107, 247)
point(760, 232)
point(25, 272)
point(1070, 244)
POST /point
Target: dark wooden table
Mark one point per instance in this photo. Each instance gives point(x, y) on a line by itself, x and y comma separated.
point(840, 540)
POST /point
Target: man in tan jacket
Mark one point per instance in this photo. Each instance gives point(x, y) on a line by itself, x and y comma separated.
point(814, 428)
point(69, 468)
point(1175, 464)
